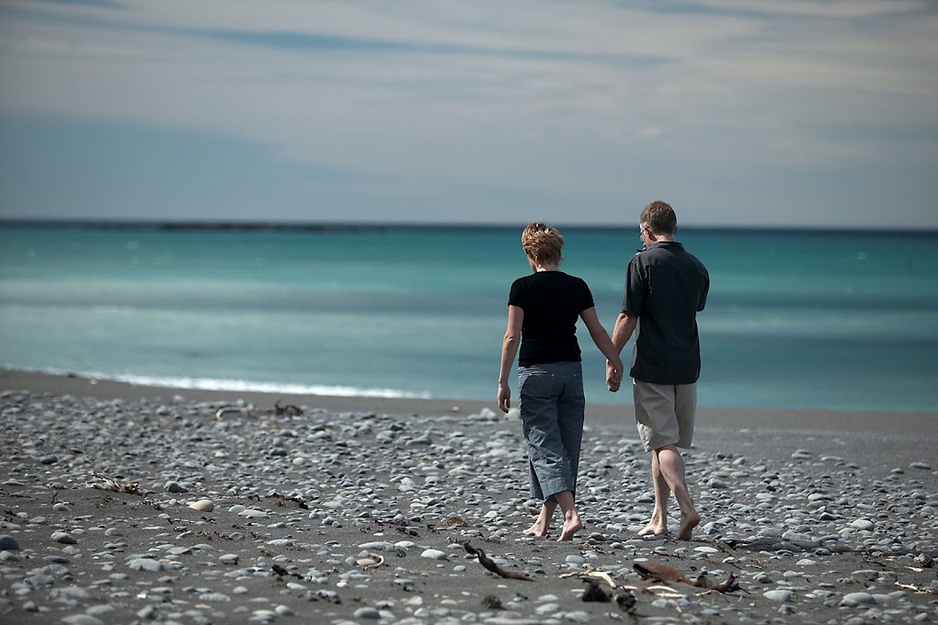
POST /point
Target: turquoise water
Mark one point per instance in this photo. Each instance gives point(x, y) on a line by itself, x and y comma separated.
point(794, 320)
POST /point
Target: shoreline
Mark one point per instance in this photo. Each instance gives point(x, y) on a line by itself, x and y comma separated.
point(128, 504)
point(873, 421)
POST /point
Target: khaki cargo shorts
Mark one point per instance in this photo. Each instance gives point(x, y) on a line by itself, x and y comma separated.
point(664, 413)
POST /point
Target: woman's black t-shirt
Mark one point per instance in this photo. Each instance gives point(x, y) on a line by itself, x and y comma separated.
point(552, 302)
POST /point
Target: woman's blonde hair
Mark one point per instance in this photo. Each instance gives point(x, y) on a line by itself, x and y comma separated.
point(542, 243)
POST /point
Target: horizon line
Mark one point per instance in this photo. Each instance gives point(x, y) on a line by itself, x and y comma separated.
point(340, 226)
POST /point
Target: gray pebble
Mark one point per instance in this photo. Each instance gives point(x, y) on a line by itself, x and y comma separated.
point(8, 543)
point(434, 554)
point(855, 599)
point(146, 564)
point(778, 595)
point(82, 619)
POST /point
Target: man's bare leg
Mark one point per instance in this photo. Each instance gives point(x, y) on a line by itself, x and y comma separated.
point(542, 525)
point(659, 518)
point(671, 465)
point(571, 520)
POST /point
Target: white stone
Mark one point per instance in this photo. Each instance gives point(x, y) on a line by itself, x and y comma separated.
point(782, 596)
point(203, 505)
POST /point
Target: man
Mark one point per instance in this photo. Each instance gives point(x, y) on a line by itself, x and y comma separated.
point(665, 288)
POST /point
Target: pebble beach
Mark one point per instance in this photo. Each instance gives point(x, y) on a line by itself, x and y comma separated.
point(126, 504)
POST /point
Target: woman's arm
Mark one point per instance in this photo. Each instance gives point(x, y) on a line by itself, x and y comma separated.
point(603, 342)
point(509, 351)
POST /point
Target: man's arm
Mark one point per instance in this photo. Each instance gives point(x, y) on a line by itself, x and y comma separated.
point(622, 331)
point(621, 334)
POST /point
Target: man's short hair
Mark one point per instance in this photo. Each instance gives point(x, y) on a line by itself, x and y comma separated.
point(659, 217)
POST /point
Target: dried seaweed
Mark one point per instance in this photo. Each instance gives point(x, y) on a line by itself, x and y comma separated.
point(594, 592)
point(287, 411)
point(665, 573)
point(109, 483)
point(485, 561)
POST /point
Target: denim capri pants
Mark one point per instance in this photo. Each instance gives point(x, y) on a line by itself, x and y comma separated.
point(552, 406)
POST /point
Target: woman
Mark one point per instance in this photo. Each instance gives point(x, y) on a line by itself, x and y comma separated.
point(543, 309)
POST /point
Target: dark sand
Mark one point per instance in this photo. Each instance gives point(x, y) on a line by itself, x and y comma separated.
point(783, 495)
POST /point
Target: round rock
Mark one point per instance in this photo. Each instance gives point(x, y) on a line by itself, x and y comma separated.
point(65, 538)
point(854, 599)
point(203, 505)
point(783, 596)
point(8, 543)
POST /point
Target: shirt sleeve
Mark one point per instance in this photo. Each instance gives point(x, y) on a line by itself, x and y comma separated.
point(516, 295)
point(702, 300)
point(634, 297)
point(586, 296)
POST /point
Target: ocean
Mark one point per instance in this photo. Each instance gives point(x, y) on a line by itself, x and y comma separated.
point(795, 319)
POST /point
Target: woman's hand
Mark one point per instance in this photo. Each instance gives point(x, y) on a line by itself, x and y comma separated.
point(613, 376)
point(504, 397)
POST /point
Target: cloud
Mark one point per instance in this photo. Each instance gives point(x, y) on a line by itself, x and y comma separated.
point(531, 99)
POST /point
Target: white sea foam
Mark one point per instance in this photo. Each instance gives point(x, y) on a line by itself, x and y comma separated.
point(245, 386)
point(249, 386)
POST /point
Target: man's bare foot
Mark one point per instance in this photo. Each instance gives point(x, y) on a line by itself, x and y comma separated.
point(688, 523)
point(538, 529)
point(570, 527)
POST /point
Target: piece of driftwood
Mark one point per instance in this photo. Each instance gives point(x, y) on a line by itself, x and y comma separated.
point(587, 574)
point(919, 589)
point(485, 561)
point(665, 573)
point(221, 412)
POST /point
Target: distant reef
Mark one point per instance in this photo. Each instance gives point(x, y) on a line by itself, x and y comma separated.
point(240, 226)
point(248, 226)
point(178, 226)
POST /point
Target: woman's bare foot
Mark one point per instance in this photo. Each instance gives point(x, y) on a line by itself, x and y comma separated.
point(537, 529)
point(570, 527)
point(658, 526)
point(688, 523)
point(653, 529)
point(542, 525)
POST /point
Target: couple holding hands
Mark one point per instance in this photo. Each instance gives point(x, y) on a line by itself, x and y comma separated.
point(665, 287)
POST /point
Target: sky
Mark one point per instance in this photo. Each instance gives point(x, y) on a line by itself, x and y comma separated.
point(739, 113)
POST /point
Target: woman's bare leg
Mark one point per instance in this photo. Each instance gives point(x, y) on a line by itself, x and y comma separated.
point(571, 520)
point(542, 525)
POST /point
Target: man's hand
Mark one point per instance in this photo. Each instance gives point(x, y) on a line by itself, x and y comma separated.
point(613, 377)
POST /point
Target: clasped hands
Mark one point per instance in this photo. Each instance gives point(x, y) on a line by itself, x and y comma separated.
point(613, 377)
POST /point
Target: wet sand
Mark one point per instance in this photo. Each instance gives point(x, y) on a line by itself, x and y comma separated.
point(360, 510)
